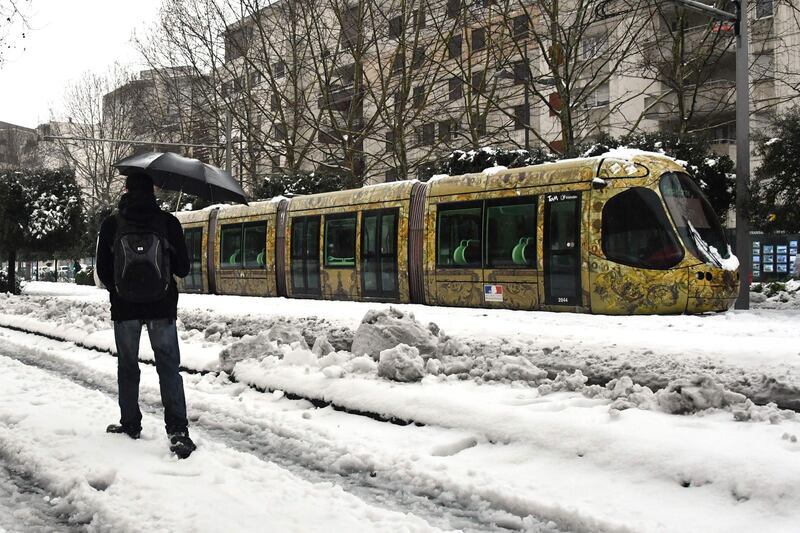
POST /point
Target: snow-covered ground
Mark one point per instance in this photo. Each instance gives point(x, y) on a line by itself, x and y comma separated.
point(521, 420)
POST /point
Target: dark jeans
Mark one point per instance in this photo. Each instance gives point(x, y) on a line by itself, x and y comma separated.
point(164, 341)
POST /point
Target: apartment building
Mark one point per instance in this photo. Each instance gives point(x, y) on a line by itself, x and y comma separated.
point(17, 145)
point(378, 92)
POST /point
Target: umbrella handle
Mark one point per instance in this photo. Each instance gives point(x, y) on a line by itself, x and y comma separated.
point(178, 205)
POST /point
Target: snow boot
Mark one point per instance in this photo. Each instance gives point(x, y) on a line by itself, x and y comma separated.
point(181, 445)
point(133, 433)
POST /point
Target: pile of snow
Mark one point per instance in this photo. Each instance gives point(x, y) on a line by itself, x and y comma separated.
point(401, 363)
point(383, 329)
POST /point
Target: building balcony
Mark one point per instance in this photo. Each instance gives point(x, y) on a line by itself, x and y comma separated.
point(711, 97)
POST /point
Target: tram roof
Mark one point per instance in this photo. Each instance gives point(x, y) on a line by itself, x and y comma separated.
point(616, 164)
point(381, 192)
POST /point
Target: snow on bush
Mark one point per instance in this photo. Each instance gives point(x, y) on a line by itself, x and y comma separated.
point(401, 363)
point(776, 295)
point(383, 329)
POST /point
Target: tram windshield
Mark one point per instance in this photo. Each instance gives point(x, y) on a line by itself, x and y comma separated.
point(694, 218)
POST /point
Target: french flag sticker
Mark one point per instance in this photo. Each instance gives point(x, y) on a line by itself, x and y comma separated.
point(493, 293)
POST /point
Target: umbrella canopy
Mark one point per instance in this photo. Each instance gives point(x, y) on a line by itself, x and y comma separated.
point(177, 173)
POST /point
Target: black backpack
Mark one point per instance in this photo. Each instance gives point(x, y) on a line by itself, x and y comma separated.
point(142, 271)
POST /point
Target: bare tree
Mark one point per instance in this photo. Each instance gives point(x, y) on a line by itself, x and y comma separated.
point(95, 111)
point(13, 24)
point(568, 54)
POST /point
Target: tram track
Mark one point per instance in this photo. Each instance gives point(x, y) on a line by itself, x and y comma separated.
point(432, 497)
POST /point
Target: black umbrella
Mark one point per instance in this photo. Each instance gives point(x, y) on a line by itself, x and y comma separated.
point(177, 173)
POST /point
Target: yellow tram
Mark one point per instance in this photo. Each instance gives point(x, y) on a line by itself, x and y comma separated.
point(628, 235)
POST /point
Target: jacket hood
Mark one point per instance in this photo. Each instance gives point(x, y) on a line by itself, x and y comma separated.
point(138, 205)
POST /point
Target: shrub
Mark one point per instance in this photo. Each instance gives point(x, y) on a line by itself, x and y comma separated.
point(85, 276)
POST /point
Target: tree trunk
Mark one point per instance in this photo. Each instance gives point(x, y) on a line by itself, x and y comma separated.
point(12, 271)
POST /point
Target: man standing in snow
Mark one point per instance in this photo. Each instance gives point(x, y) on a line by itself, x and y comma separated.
point(139, 248)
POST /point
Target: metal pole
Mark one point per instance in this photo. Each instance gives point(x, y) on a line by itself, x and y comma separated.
point(228, 128)
point(527, 101)
point(743, 250)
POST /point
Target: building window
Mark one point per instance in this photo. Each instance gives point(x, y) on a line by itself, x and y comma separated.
point(453, 8)
point(236, 43)
point(347, 74)
point(763, 9)
point(521, 26)
point(398, 62)
point(480, 125)
point(279, 132)
point(419, 96)
point(389, 141)
point(454, 47)
point(418, 58)
point(458, 236)
point(395, 27)
point(478, 39)
point(327, 137)
point(448, 130)
point(340, 240)
point(598, 98)
point(455, 88)
point(350, 27)
point(419, 18)
point(279, 69)
point(592, 46)
point(477, 82)
point(520, 72)
point(426, 134)
point(274, 101)
point(521, 117)
point(391, 175)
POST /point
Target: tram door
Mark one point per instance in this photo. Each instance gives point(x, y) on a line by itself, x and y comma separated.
point(562, 250)
point(194, 246)
point(305, 256)
point(379, 254)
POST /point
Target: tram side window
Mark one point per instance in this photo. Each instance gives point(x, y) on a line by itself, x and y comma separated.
point(511, 234)
point(230, 246)
point(458, 239)
point(255, 245)
point(243, 245)
point(636, 231)
point(340, 241)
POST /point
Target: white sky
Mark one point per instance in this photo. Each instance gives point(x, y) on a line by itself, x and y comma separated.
point(66, 39)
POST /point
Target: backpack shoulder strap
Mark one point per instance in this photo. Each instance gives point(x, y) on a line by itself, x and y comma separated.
point(163, 228)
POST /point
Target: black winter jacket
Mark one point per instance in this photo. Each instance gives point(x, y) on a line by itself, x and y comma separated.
point(141, 207)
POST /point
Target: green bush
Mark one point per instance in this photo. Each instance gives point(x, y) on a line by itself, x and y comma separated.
point(757, 287)
point(774, 288)
point(4, 285)
point(85, 277)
